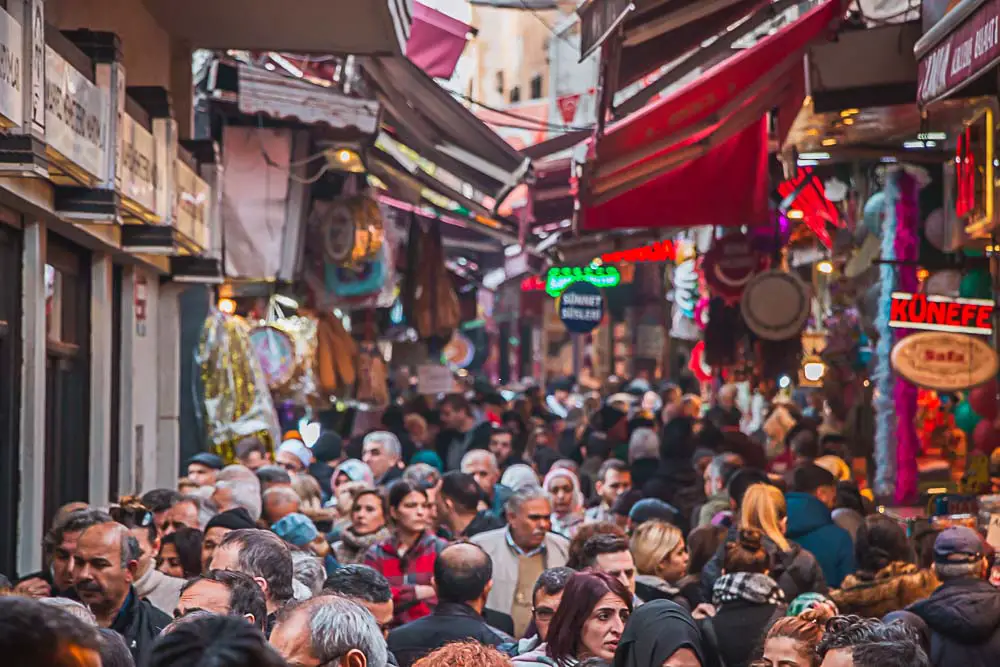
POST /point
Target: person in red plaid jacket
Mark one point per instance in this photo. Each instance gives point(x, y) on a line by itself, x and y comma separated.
point(406, 558)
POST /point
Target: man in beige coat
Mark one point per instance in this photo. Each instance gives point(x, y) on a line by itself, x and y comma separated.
point(520, 553)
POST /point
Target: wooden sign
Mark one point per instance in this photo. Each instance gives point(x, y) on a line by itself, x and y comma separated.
point(944, 361)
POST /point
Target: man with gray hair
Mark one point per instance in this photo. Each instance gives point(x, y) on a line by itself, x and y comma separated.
point(382, 453)
point(330, 631)
point(105, 566)
point(963, 614)
point(279, 502)
point(717, 475)
point(238, 486)
point(482, 464)
point(643, 444)
point(520, 553)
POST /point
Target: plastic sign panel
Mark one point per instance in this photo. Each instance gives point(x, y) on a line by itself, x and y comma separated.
point(581, 307)
point(941, 313)
point(944, 361)
point(561, 277)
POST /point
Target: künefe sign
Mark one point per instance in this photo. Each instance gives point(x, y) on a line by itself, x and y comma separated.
point(941, 313)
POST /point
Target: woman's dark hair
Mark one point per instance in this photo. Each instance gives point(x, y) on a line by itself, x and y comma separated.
point(746, 553)
point(582, 593)
point(849, 497)
point(923, 543)
point(371, 492)
point(702, 544)
point(187, 541)
point(880, 541)
point(401, 488)
point(219, 641)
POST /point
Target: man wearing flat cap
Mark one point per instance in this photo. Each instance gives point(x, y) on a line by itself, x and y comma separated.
point(963, 614)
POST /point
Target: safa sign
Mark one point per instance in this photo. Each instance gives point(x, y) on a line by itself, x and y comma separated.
point(941, 313)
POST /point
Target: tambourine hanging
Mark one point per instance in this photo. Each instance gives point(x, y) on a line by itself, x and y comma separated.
point(336, 223)
point(276, 351)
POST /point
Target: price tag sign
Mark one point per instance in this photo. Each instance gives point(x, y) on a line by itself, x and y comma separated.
point(434, 379)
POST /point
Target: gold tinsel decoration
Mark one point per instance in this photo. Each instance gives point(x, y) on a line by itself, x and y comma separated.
point(237, 403)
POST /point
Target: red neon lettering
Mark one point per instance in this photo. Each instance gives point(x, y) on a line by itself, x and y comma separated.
point(918, 308)
point(936, 311)
point(965, 174)
point(951, 319)
point(968, 314)
point(898, 312)
point(983, 317)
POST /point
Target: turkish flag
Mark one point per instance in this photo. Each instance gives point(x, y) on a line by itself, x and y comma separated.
point(567, 107)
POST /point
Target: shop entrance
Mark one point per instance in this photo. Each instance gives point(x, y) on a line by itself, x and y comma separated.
point(67, 374)
point(10, 392)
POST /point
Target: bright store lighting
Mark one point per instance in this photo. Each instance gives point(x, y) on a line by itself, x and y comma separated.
point(849, 112)
point(826, 266)
point(795, 214)
point(932, 136)
point(829, 142)
point(813, 370)
point(227, 306)
point(784, 382)
point(817, 155)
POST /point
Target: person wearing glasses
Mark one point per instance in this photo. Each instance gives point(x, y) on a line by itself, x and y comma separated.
point(589, 622)
point(329, 631)
point(161, 590)
point(545, 599)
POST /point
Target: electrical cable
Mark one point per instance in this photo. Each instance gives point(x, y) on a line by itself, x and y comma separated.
point(538, 124)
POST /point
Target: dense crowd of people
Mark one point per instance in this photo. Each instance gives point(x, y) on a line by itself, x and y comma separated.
point(482, 533)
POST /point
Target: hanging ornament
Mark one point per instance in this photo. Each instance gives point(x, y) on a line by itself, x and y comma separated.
point(983, 400)
point(936, 229)
point(966, 418)
point(697, 365)
point(730, 264)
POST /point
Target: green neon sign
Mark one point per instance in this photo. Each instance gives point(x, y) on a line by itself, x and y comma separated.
point(561, 277)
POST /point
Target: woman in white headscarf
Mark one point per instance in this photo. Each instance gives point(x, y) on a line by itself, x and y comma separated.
point(567, 501)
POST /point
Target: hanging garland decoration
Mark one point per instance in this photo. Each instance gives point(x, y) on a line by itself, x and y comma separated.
point(903, 195)
point(885, 414)
point(237, 403)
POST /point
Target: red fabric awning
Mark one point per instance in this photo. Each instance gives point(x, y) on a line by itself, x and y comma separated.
point(702, 151)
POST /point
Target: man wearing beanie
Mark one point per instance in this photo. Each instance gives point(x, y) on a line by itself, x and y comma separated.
point(218, 527)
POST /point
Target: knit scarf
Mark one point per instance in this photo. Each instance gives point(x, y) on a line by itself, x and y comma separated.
point(750, 587)
point(355, 546)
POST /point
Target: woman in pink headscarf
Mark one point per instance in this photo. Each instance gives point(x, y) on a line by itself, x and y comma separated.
point(567, 501)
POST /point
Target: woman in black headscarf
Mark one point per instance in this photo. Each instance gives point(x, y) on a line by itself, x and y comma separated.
point(661, 633)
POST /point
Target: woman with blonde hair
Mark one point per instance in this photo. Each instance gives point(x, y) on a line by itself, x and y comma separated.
point(661, 563)
point(795, 569)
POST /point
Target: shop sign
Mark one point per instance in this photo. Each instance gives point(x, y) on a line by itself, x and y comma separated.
point(931, 312)
point(966, 52)
point(944, 361)
point(581, 307)
point(662, 251)
point(11, 79)
point(561, 277)
point(730, 264)
point(776, 305)
point(137, 163)
point(434, 379)
point(76, 115)
point(191, 204)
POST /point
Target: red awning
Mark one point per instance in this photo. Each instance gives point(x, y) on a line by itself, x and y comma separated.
point(699, 156)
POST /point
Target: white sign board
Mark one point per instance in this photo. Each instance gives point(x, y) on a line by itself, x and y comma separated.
point(434, 379)
point(76, 115)
point(192, 197)
point(137, 165)
point(11, 71)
